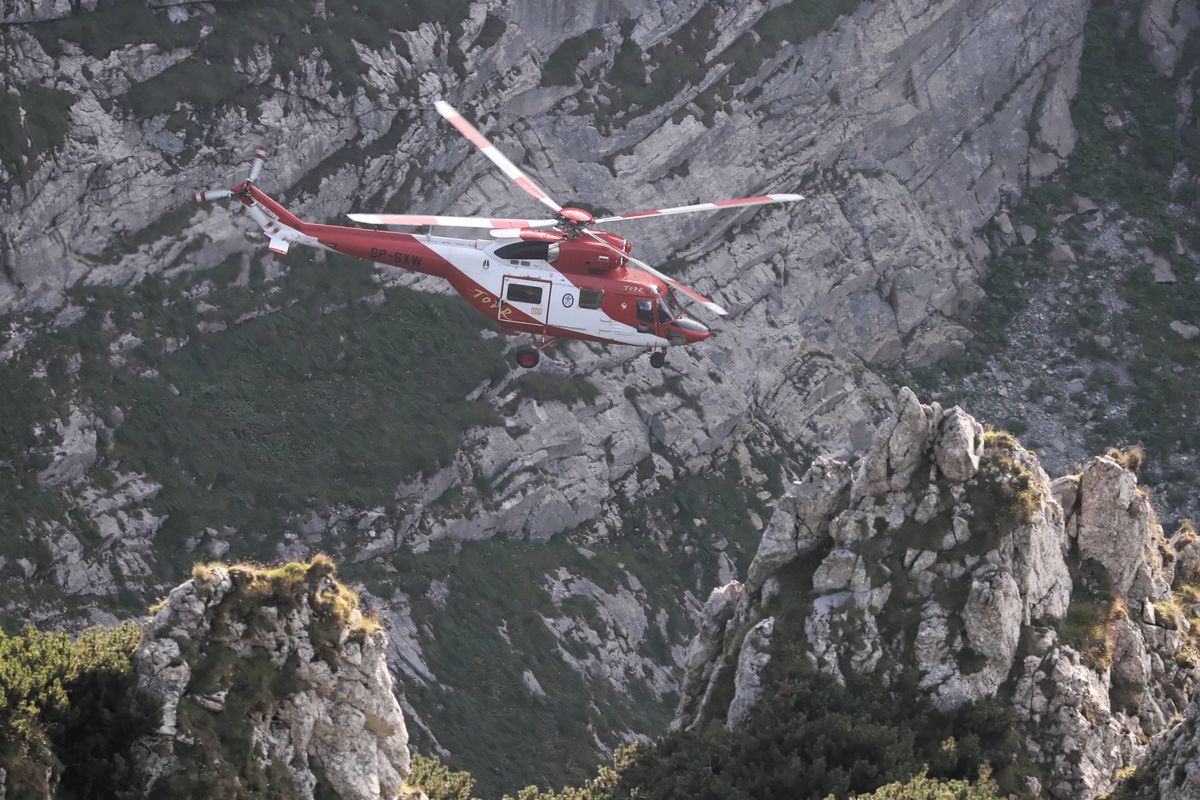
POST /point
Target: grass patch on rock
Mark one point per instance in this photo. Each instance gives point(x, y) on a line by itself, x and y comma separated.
point(1088, 628)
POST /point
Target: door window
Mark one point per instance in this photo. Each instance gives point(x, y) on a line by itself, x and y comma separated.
point(590, 298)
point(645, 312)
point(520, 293)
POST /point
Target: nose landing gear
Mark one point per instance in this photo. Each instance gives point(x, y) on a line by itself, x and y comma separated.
point(658, 359)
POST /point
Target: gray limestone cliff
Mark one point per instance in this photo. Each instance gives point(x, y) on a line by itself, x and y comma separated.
point(908, 124)
point(270, 678)
point(946, 559)
point(1172, 770)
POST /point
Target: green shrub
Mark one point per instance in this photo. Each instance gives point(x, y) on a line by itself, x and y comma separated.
point(815, 739)
point(1088, 628)
point(290, 584)
point(1005, 492)
point(438, 781)
point(32, 123)
point(1130, 459)
point(73, 707)
point(922, 787)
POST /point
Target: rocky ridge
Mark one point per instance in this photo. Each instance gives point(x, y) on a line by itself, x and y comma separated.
point(271, 678)
point(947, 560)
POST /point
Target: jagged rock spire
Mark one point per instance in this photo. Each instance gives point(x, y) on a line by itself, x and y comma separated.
point(946, 559)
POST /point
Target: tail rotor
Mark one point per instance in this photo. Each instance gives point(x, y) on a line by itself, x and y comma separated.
point(272, 220)
point(260, 155)
point(211, 194)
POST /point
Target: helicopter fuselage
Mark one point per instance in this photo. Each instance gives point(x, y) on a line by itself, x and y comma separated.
point(544, 283)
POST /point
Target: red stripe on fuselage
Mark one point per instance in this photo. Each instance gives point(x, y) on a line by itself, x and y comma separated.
point(404, 251)
point(391, 248)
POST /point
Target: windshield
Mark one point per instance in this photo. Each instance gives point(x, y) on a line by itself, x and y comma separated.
point(675, 311)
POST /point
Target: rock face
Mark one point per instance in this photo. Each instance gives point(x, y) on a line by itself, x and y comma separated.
point(871, 115)
point(898, 119)
point(944, 560)
point(271, 675)
point(908, 125)
point(14, 11)
point(1172, 770)
point(1164, 26)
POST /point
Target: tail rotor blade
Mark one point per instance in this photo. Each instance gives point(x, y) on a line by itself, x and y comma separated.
point(260, 155)
point(211, 194)
point(687, 290)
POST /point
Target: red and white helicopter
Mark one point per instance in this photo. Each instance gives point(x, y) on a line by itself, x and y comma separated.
point(559, 279)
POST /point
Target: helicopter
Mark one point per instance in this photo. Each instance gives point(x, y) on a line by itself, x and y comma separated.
point(554, 278)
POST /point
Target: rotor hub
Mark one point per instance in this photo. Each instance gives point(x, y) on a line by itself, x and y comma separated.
point(575, 216)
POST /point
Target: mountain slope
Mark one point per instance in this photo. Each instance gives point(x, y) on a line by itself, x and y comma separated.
point(173, 395)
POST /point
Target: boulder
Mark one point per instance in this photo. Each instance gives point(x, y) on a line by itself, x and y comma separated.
point(1164, 26)
point(801, 518)
point(702, 664)
point(1186, 330)
point(75, 453)
point(1118, 529)
point(899, 447)
point(958, 445)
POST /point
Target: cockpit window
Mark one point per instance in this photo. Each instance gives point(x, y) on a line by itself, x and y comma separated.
point(676, 310)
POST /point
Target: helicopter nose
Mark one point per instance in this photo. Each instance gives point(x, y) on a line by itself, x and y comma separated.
point(693, 330)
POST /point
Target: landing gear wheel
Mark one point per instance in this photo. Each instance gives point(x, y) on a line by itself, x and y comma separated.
point(528, 357)
point(658, 359)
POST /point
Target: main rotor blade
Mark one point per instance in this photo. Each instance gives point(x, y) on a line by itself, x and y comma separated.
point(687, 290)
point(450, 222)
point(488, 149)
point(719, 205)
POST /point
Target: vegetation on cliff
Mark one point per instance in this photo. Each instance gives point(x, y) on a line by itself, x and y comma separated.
point(70, 710)
point(816, 739)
